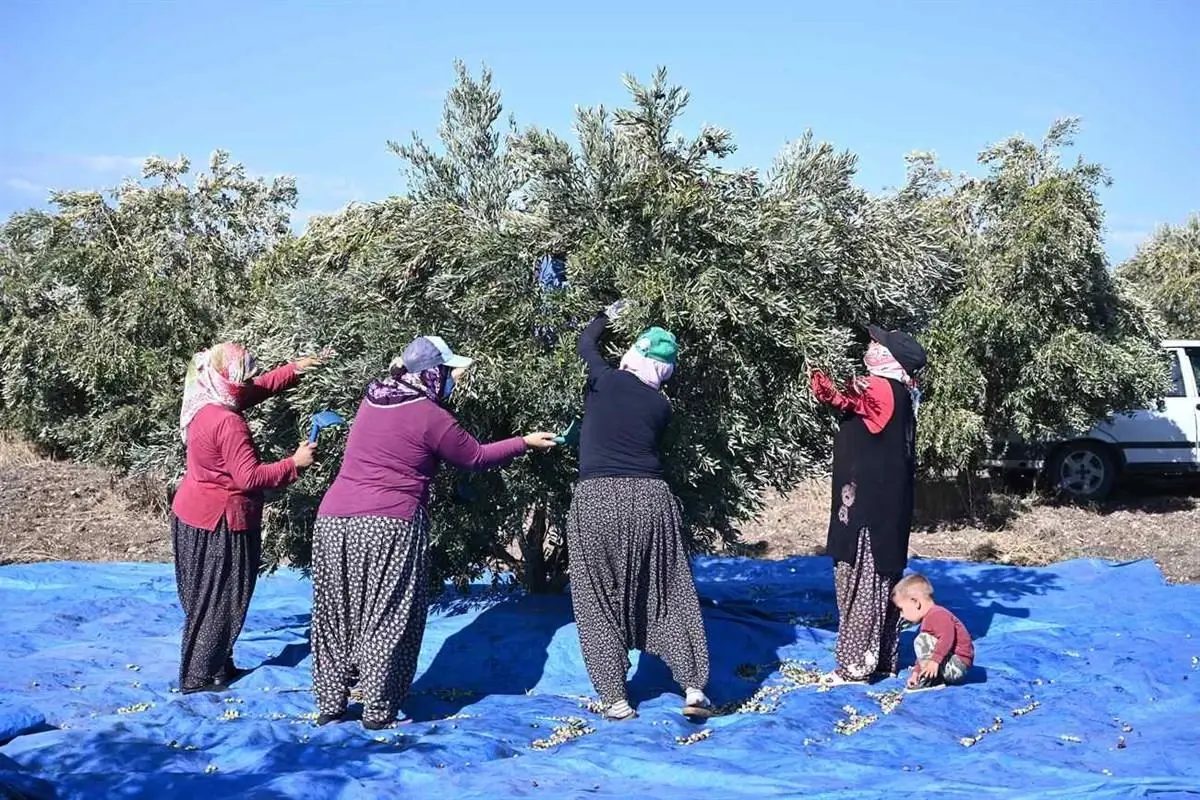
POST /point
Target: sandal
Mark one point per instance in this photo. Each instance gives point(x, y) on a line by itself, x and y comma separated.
point(696, 704)
point(832, 678)
point(372, 725)
point(620, 712)
point(214, 688)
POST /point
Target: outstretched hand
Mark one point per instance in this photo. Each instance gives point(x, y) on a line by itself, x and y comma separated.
point(312, 362)
point(305, 455)
point(540, 441)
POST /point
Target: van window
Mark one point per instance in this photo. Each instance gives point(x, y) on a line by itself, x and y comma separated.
point(1193, 357)
point(1177, 388)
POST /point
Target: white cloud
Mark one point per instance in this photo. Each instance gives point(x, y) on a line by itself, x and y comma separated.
point(1122, 243)
point(331, 188)
point(102, 163)
point(1128, 238)
point(27, 187)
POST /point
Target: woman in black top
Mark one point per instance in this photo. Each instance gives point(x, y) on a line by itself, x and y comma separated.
point(631, 581)
point(874, 468)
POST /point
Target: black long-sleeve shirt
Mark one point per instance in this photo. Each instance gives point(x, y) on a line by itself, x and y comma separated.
point(623, 418)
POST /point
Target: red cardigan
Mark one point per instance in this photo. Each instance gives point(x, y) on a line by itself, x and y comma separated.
point(873, 402)
point(225, 477)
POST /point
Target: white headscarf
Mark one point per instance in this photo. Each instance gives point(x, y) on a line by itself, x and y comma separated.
point(649, 371)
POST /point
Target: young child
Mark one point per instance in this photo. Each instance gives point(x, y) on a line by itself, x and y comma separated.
point(944, 648)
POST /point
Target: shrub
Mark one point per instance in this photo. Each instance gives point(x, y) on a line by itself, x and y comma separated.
point(761, 276)
point(102, 301)
point(1166, 272)
point(1042, 341)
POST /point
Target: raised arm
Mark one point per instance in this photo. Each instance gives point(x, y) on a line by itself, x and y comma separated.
point(589, 346)
point(464, 451)
point(870, 398)
point(272, 383)
point(249, 474)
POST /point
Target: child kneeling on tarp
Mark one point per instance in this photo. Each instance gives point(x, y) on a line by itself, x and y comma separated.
point(944, 648)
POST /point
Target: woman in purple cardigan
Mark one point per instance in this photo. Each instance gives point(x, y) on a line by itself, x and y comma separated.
point(371, 540)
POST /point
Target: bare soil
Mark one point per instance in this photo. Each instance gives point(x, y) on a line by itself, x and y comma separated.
point(56, 510)
point(62, 511)
point(1161, 522)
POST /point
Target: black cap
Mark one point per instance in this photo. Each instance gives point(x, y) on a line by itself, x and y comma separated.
point(904, 348)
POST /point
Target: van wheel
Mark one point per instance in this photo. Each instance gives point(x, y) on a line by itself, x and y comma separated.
point(1083, 471)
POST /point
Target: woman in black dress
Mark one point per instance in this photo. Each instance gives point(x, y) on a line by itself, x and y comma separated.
point(631, 580)
point(874, 469)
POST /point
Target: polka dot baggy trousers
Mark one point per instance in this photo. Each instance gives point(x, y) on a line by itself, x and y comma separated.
point(215, 573)
point(631, 583)
point(868, 623)
point(370, 603)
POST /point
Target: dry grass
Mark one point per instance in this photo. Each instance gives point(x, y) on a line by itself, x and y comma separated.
point(54, 510)
point(980, 523)
point(60, 511)
point(15, 453)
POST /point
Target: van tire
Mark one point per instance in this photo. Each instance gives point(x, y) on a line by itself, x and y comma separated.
point(1084, 471)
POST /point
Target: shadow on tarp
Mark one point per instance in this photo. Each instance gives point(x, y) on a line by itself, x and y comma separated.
point(292, 655)
point(977, 597)
point(312, 768)
point(503, 650)
point(742, 651)
point(1085, 681)
point(17, 784)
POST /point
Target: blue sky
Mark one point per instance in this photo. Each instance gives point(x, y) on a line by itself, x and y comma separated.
point(315, 89)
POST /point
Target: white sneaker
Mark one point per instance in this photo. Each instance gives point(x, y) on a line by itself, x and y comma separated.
point(931, 688)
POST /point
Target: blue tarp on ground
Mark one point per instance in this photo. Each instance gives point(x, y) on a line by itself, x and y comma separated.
point(1102, 657)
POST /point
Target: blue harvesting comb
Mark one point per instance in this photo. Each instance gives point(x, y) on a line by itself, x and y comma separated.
point(322, 420)
point(570, 436)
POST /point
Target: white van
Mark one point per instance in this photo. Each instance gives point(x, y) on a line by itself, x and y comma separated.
point(1161, 440)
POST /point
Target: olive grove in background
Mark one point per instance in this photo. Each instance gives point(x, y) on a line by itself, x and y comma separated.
point(762, 276)
point(1166, 271)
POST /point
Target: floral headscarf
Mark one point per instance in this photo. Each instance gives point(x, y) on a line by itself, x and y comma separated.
point(401, 386)
point(880, 361)
point(214, 377)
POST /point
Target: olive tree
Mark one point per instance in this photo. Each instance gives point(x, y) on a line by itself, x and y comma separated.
point(1042, 341)
point(1165, 271)
point(104, 298)
point(760, 277)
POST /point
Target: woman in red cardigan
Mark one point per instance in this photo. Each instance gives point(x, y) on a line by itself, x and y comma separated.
point(874, 469)
point(216, 517)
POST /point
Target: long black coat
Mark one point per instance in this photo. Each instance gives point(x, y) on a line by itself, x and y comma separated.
point(873, 486)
